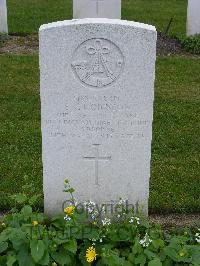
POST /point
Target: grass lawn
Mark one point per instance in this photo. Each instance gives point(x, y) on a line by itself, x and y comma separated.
point(176, 145)
point(25, 16)
point(20, 149)
point(176, 136)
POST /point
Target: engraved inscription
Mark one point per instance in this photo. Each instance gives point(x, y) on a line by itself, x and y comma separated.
point(96, 159)
point(97, 62)
point(98, 117)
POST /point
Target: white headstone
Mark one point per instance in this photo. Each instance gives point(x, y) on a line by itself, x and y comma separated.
point(193, 17)
point(97, 9)
point(97, 91)
point(3, 17)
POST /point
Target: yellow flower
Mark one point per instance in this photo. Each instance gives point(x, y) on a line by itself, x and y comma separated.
point(91, 254)
point(3, 225)
point(34, 223)
point(54, 264)
point(69, 210)
point(182, 253)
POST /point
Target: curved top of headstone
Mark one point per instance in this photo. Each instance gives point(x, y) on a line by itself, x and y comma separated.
point(65, 23)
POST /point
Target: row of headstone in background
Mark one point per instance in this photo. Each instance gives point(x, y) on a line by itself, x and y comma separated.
point(193, 17)
point(3, 17)
point(110, 9)
point(97, 90)
point(97, 9)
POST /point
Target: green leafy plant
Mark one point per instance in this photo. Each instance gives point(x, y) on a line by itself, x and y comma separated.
point(191, 44)
point(28, 196)
point(85, 237)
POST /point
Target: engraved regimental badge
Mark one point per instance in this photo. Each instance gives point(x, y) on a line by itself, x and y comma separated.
point(97, 62)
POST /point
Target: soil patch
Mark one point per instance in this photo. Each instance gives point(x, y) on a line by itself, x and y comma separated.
point(167, 45)
point(29, 44)
point(20, 44)
point(176, 220)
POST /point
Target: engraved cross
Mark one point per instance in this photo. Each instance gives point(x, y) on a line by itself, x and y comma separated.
point(97, 5)
point(96, 159)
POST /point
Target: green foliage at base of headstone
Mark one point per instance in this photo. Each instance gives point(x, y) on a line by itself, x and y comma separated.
point(86, 238)
point(191, 44)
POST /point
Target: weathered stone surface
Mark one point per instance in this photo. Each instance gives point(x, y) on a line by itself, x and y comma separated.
point(97, 91)
point(3, 17)
point(97, 9)
point(193, 19)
